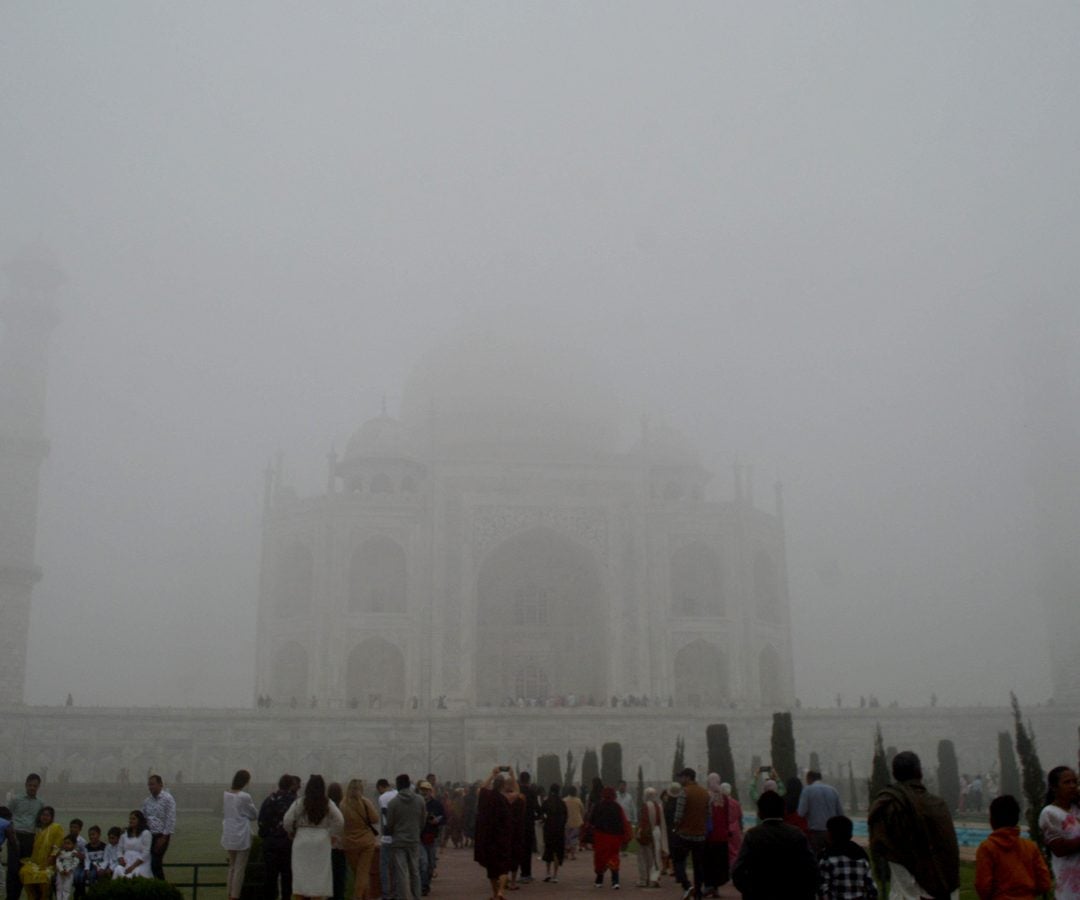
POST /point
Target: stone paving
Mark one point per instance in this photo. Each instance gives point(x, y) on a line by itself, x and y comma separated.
point(459, 877)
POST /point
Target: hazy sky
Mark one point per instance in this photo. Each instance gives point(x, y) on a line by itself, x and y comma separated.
point(809, 235)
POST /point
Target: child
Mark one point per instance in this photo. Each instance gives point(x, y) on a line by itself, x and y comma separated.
point(1007, 865)
point(75, 828)
point(67, 861)
point(112, 852)
point(844, 867)
point(95, 856)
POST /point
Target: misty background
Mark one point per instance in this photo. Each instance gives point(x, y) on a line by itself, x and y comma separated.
point(813, 237)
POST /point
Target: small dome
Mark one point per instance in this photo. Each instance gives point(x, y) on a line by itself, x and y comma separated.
point(664, 446)
point(380, 438)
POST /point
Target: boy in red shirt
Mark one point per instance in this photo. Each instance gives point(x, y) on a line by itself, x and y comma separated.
point(1007, 866)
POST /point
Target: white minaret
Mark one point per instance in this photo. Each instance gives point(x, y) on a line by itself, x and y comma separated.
point(28, 316)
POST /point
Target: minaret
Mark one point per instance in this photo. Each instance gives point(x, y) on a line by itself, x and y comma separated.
point(28, 314)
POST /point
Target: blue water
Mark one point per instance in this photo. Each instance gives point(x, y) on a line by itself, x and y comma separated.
point(965, 836)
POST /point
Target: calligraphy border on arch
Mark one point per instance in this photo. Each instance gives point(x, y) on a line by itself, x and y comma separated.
point(493, 524)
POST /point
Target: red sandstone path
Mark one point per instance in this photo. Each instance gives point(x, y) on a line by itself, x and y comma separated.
point(459, 877)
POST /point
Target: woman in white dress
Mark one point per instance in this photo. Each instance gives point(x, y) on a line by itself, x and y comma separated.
point(238, 812)
point(311, 821)
point(135, 849)
point(1060, 825)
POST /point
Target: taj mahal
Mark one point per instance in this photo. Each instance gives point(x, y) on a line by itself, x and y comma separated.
point(495, 573)
point(497, 544)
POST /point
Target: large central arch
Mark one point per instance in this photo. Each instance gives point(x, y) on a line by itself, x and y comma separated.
point(540, 621)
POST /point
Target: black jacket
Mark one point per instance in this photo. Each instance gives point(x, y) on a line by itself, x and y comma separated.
point(775, 861)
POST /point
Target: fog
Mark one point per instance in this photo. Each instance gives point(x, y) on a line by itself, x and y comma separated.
point(828, 241)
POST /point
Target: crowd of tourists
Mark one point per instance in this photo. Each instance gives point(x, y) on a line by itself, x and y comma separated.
point(320, 840)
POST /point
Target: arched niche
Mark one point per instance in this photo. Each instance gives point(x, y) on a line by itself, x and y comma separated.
point(697, 581)
point(766, 587)
point(701, 678)
point(289, 677)
point(295, 579)
point(375, 675)
point(770, 674)
point(377, 576)
point(540, 620)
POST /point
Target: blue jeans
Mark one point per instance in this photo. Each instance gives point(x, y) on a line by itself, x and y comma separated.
point(427, 865)
point(385, 868)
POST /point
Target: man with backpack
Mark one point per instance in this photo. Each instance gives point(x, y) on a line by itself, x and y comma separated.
point(276, 843)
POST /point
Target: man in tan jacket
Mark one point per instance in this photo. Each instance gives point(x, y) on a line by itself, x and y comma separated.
point(691, 815)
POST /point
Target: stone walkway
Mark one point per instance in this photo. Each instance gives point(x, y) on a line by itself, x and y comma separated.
point(459, 877)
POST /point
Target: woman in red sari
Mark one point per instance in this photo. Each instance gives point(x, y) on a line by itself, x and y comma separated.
point(611, 831)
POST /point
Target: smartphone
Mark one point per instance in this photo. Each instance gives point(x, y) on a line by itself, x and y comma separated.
point(765, 769)
point(504, 768)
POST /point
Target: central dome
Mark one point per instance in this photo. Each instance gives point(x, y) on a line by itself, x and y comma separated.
point(491, 394)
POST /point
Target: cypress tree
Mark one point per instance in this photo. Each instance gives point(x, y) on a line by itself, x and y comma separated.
point(571, 769)
point(815, 761)
point(640, 787)
point(853, 789)
point(720, 759)
point(590, 768)
point(548, 771)
point(611, 764)
point(1010, 772)
point(1033, 776)
point(879, 769)
point(948, 774)
point(783, 746)
point(679, 762)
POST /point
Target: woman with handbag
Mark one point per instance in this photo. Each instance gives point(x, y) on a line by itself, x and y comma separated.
point(359, 839)
point(651, 839)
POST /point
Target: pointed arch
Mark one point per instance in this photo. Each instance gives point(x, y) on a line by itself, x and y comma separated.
point(540, 620)
point(377, 573)
point(697, 581)
point(701, 678)
point(770, 674)
point(289, 677)
point(767, 597)
point(295, 579)
point(375, 675)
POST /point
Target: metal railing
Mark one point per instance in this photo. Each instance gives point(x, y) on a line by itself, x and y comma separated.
point(195, 883)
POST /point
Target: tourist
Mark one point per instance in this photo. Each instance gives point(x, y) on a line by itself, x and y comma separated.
point(78, 876)
point(112, 850)
point(37, 870)
point(494, 847)
point(25, 808)
point(67, 862)
point(95, 856)
point(1060, 825)
point(454, 832)
point(611, 831)
point(276, 843)
point(238, 812)
point(434, 819)
point(596, 791)
point(358, 838)
point(691, 822)
point(716, 839)
point(912, 830)
point(386, 863)
point(775, 859)
point(677, 850)
point(1007, 865)
point(651, 839)
point(555, 813)
point(818, 803)
point(575, 818)
point(626, 800)
point(405, 818)
point(734, 809)
point(160, 811)
point(527, 834)
point(844, 868)
point(468, 815)
point(338, 866)
point(136, 849)
point(311, 821)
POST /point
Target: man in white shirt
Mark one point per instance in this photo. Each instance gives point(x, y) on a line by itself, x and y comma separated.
point(386, 794)
point(160, 811)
